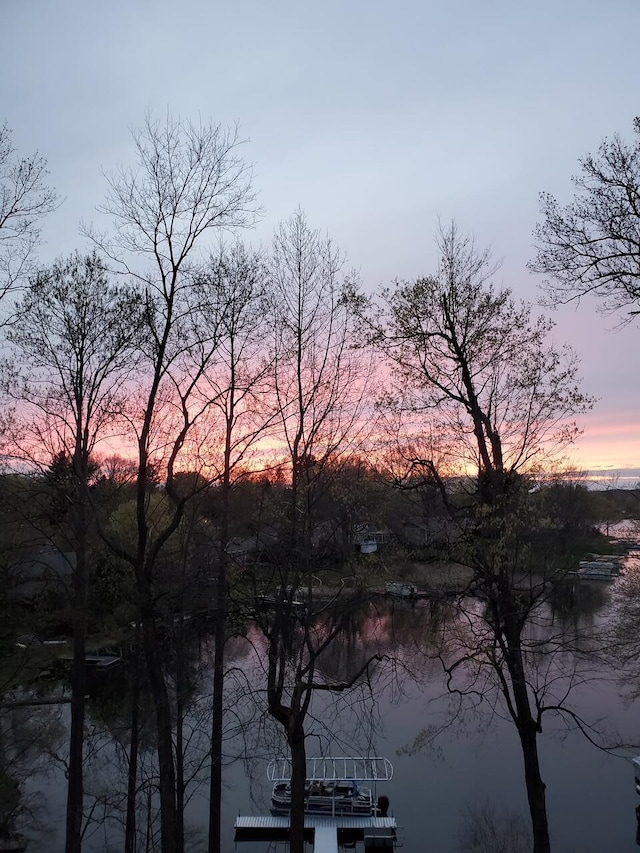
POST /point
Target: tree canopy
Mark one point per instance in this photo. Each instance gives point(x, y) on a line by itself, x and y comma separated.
point(475, 362)
point(592, 244)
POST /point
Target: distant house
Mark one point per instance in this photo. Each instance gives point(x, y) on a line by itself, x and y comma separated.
point(331, 535)
point(367, 538)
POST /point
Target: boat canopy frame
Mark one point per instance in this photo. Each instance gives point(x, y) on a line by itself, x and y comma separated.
point(334, 769)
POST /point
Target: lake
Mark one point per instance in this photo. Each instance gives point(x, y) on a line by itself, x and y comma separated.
point(475, 764)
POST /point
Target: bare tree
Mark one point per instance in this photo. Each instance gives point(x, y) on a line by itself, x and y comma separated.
point(320, 389)
point(320, 380)
point(189, 183)
point(476, 360)
point(72, 342)
point(472, 359)
point(592, 244)
point(24, 200)
point(237, 385)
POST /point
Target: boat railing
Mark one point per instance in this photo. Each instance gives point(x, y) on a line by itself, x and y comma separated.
point(334, 769)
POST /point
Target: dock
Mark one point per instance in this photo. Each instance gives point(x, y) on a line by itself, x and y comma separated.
point(325, 831)
point(336, 812)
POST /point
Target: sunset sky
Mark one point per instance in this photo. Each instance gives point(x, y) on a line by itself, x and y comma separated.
point(377, 118)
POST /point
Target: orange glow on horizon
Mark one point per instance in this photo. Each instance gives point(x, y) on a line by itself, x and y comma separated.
point(609, 441)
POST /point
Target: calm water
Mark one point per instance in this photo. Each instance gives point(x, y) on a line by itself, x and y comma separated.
point(591, 796)
point(477, 761)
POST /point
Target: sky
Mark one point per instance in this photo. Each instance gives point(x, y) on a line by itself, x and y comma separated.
point(379, 119)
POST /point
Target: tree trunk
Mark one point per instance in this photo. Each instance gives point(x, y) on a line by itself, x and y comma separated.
point(180, 785)
point(180, 704)
point(528, 729)
point(215, 795)
point(132, 774)
point(295, 736)
point(215, 792)
point(75, 789)
point(535, 790)
point(166, 766)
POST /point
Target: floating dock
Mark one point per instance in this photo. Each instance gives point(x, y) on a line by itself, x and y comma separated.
point(336, 823)
point(324, 831)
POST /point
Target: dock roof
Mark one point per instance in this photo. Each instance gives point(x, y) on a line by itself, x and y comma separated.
point(334, 769)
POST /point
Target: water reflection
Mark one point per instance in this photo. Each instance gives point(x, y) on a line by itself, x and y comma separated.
point(397, 708)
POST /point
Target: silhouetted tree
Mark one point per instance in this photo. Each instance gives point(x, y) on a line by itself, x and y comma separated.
point(189, 182)
point(481, 370)
point(71, 341)
point(591, 246)
point(238, 416)
point(24, 200)
point(320, 390)
point(476, 359)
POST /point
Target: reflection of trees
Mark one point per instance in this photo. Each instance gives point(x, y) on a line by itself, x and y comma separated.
point(507, 650)
point(122, 760)
point(409, 636)
point(28, 736)
point(488, 830)
point(399, 631)
point(555, 657)
point(339, 718)
point(374, 646)
point(298, 664)
point(121, 712)
point(624, 635)
point(555, 662)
